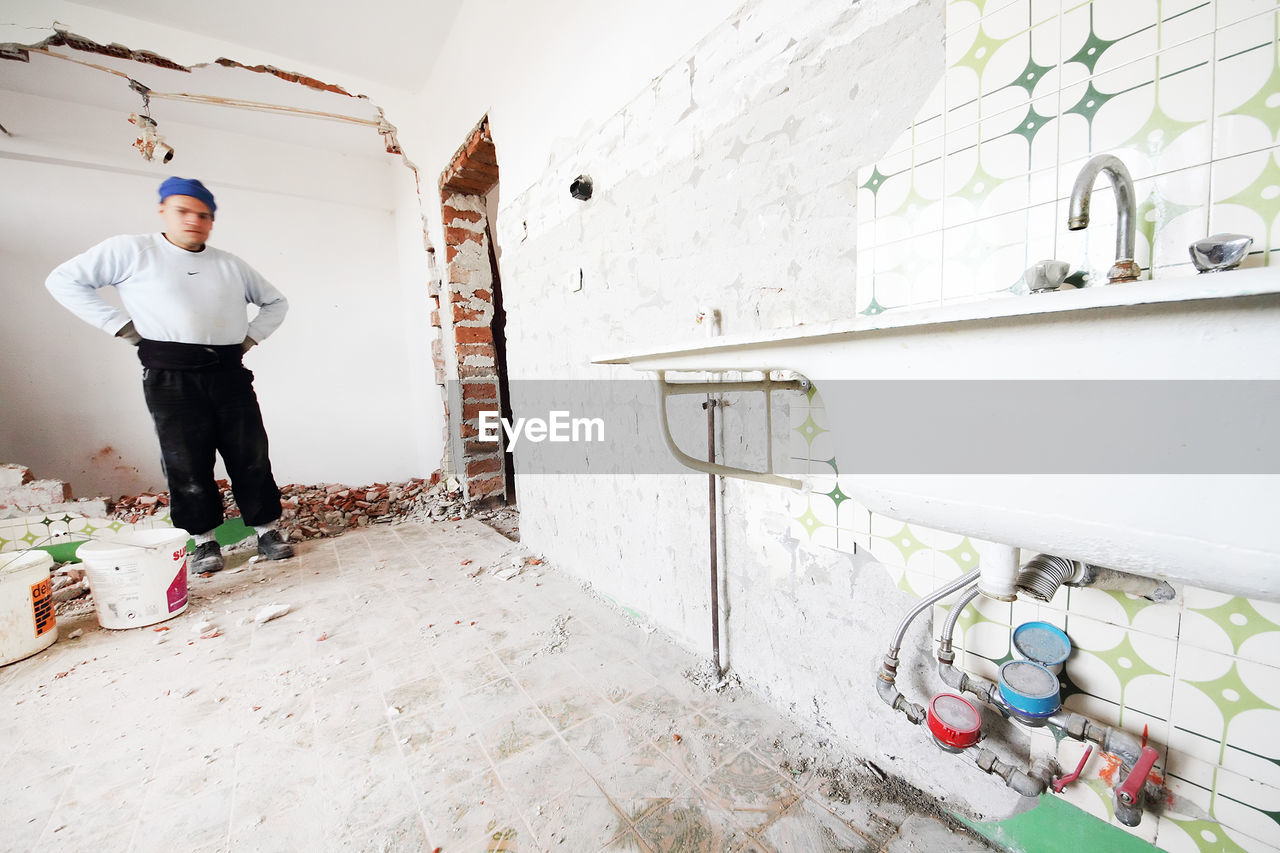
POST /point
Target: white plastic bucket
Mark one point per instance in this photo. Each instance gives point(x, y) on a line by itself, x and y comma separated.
point(27, 622)
point(138, 579)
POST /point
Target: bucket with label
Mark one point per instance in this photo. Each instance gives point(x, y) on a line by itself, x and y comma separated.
point(27, 622)
point(139, 578)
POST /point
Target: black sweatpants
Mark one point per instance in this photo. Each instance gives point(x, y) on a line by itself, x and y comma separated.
point(200, 411)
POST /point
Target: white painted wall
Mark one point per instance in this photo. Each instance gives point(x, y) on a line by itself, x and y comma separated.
point(341, 382)
point(546, 73)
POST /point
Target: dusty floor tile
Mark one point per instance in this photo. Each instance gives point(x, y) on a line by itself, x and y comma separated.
point(435, 767)
point(486, 704)
point(615, 679)
point(696, 746)
point(686, 824)
point(296, 828)
point(406, 669)
point(582, 819)
point(174, 820)
point(921, 833)
point(404, 833)
point(627, 842)
point(641, 782)
point(536, 775)
point(362, 779)
point(474, 815)
point(807, 826)
point(598, 742)
point(94, 817)
point(411, 699)
point(750, 790)
point(512, 734)
point(29, 802)
point(860, 804)
point(478, 668)
point(343, 713)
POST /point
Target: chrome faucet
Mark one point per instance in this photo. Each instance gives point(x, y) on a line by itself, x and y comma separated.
point(1125, 268)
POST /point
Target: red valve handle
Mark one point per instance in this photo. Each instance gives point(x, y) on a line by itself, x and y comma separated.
point(1129, 792)
point(1063, 781)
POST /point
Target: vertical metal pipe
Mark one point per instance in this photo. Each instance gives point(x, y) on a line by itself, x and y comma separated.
point(710, 406)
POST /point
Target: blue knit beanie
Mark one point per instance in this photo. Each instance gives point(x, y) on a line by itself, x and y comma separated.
point(187, 186)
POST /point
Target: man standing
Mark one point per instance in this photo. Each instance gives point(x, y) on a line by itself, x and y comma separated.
point(185, 309)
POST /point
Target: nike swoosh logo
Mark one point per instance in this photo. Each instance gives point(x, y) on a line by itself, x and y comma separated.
point(193, 273)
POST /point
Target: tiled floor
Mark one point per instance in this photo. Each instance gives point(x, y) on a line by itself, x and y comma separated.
point(416, 697)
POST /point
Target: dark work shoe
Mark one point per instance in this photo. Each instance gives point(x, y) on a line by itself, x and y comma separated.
point(208, 558)
point(272, 547)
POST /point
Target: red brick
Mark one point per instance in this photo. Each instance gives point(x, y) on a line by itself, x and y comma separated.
point(473, 334)
point(471, 409)
point(437, 347)
point(457, 236)
point(466, 351)
point(467, 314)
point(490, 465)
point(452, 214)
point(435, 319)
point(485, 487)
point(483, 294)
point(479, 391)
point(468, 429)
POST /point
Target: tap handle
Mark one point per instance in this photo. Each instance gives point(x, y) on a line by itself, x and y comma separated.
point(1130, 791)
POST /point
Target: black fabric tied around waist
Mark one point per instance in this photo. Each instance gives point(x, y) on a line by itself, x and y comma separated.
point(170, 355)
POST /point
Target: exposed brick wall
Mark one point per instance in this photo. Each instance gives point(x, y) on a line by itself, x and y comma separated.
point(469, 294)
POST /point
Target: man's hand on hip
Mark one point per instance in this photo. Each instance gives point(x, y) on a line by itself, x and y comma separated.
point(129, 333)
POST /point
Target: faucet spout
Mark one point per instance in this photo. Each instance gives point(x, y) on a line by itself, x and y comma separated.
point(1125, 268)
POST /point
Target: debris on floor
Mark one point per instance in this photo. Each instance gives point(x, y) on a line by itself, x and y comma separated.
point(271, 611)
point(327, 509)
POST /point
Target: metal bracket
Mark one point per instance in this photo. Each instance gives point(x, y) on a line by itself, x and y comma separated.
point(766, 386)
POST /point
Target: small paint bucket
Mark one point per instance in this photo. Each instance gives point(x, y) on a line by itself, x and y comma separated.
point(137, 579)
point(27, 621)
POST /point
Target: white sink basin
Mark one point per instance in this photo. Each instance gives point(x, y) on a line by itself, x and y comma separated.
point(1215, 531)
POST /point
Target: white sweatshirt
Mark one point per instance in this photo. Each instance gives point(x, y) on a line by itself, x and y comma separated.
point(169, 293)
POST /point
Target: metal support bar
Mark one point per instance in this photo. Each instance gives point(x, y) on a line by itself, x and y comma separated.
point(766, 386)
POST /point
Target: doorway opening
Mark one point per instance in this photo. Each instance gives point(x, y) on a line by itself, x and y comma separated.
point(474, 297)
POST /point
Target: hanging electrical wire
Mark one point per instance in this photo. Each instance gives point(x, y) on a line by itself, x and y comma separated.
point(150, 141)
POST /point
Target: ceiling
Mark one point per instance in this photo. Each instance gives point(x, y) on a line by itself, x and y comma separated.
point(389, 41)
point(61, 75)
point(386, 41)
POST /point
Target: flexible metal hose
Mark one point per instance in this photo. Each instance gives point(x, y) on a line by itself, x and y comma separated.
point(927, 602)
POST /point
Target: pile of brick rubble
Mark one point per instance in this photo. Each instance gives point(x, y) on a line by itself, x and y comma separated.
point(316, 511)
